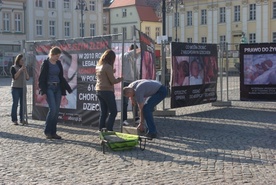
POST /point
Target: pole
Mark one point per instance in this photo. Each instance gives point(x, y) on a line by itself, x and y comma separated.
point(82, 28)
point(24, 105)
point(164, 16)
point(176, 19)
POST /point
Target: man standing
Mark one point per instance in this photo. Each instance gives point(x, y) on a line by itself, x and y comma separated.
point(129, 74)
point(147, 94)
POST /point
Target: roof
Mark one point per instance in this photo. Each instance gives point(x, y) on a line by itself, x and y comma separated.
point(123, 3)
point(147, 13)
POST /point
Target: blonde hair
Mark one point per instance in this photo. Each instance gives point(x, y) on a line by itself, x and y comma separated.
point(108, 57)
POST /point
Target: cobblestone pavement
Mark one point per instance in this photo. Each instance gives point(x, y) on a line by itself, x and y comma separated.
point(202, 144)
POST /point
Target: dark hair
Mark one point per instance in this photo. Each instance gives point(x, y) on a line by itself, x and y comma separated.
point(131, 47)
point(55, 51)
point(107, 57)
point(17, 59)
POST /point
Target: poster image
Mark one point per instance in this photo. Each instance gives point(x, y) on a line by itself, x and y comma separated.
point(258, 72)
point(259, 69)
point(181, 72)
point(196, 71)
point(194, 74)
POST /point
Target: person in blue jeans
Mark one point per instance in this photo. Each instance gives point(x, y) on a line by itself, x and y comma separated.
point(19, 76)
point(105, 89)
point(53, 85)
point(147, 94)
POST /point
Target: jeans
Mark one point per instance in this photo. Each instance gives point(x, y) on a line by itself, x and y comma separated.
point(108, 109)
point(17, 95)
point(125, 105)
point(149, 105)
point(53, 99)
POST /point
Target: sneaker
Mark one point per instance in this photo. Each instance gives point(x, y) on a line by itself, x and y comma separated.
point(137, 120)
point(126, 123)
point(15, 122)
point(24, 122)
point(48, 136)
point(151, 135)
point(56, 136)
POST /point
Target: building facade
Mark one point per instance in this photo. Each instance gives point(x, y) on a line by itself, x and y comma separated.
point(63, 19)
point(215, 21)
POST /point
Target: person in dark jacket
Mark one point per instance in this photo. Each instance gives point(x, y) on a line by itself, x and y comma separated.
point(53, 85)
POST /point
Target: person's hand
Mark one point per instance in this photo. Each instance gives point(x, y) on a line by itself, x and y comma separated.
point(141, 127)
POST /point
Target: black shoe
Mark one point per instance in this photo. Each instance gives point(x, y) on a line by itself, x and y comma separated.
point(151, 135)
point(48, 136)
point(55, 136)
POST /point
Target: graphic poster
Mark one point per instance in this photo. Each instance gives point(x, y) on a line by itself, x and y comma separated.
point(148, 70)
point(79, 58)
point(194, 74)
point(258, 71)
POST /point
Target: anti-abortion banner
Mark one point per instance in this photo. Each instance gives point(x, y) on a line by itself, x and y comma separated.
point(194, 74)
point(79, 58)
point(148, 70)
point(258, 71)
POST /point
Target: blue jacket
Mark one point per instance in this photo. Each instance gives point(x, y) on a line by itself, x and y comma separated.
point(43, 78)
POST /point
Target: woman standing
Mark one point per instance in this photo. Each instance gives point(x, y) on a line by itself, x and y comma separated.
point(53, 85)
point(105, 89)
point(19, 76)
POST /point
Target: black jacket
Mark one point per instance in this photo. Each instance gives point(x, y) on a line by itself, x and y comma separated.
point(43, 78)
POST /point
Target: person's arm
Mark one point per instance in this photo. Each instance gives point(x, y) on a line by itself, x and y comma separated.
point(110, 75)
point(141, 126)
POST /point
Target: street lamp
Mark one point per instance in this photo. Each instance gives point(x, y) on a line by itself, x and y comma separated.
point(176, 13)
point(82, 6)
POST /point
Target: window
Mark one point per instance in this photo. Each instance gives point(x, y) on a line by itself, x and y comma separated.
point(237, 13)
point(124, 11)
point(124, 31)
point(274, 10)
point(67, 29)
point(38, 3)
point(189, 18)
point(52, 4)
point(203, 39)
point(92, 29)
point(222, 15)
point(147, 31)
point(222, 40)
point(52, 25)
point(66, 4)
point(82, 26)
point(157, 32)
point(92, 5)
point(204, 16)
point(176, 19)
point(252, 12)
point(274, 37)
point(252, 37)
point(17, 22)
point(189, 40)
point(115, 31)
point(6, 22)
point(39, 27)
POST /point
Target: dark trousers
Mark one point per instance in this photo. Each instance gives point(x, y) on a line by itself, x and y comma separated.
point(17, 96)
point(108, 109)
point(53, 99)
point(149, 105)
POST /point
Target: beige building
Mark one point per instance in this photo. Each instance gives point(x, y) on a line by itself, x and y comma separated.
point(12, 32)
point(124, 15)
point(215, 21)
point(63, 19)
